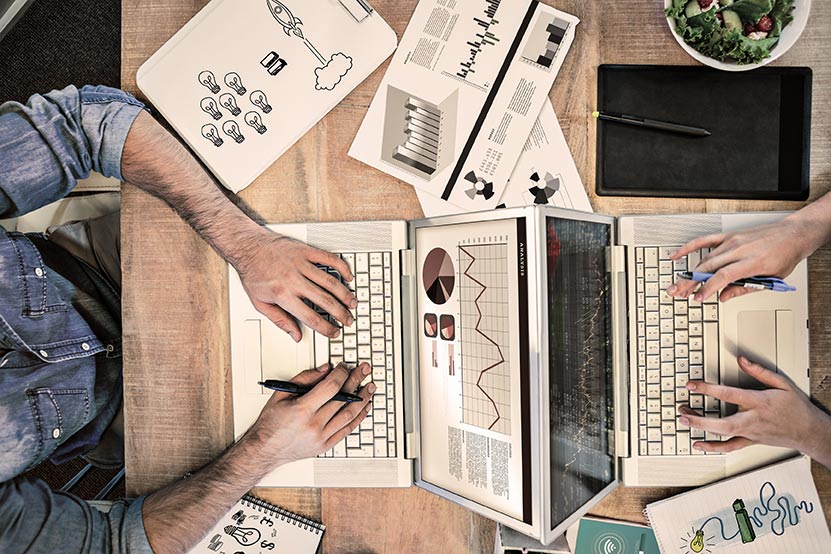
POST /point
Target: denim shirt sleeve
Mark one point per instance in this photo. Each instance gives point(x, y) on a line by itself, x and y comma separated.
point(57, 138)
point(34, 518)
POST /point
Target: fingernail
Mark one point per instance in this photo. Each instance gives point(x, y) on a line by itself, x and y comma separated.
point(691, 385)
point(684, 420)
point(673, 253)
point(371, 388)
point(697, 446)
point(697, 297)
point(295, 337)
point(350, 320)
point(324, 367)
point(365, 369)
point(353, 303)
point(672, 289)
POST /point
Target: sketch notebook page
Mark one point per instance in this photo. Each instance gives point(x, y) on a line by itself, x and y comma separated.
point(774, 510)
point(255, 526)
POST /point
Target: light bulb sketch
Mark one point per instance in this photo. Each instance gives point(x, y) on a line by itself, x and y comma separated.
point(211, 133)
point(234, 81)
point(232, 130)
point(246, 536)
point(208, 80)
point(259, 99)
point(697, 544)
point(227, 101)
point(331, 71)
point(208, 106)
point(254, 120)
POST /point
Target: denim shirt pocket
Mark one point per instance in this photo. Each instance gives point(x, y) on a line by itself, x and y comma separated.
point(58, 414)
point(38, 298)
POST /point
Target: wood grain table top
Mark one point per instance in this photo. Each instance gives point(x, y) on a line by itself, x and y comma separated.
point(177, 371)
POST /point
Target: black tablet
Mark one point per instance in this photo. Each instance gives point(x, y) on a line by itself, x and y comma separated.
point(760, 125)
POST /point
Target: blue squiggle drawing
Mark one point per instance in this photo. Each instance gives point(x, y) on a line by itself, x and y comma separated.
point(783, 508)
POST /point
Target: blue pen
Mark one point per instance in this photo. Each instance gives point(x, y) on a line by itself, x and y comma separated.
point(760, 283)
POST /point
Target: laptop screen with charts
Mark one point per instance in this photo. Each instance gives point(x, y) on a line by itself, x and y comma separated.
point(579, 363)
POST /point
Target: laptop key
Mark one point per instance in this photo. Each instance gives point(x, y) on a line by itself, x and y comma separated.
point(682, 443)
point(654, 448)
point(668, 445)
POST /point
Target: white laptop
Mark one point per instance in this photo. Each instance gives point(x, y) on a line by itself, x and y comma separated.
point(515, 353)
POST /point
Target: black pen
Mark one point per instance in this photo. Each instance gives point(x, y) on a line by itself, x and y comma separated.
point(293, 388)
point(654, 124)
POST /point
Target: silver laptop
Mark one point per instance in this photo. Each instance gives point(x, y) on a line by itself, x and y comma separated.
point(515, 357)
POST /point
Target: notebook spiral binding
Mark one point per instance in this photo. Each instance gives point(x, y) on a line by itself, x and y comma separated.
point(284, 515)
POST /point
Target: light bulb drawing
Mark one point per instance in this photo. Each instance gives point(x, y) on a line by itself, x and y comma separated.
point(228, 102)
point(246, 536)
point(208, 106)
point(211, 133)
point(331, 71)
point(208, 80)
point(254, 120)
point(234, 81)
point(259, 99)
point(232, 130)
point(697, 544)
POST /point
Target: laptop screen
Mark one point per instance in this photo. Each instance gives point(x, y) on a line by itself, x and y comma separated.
point(580, 363)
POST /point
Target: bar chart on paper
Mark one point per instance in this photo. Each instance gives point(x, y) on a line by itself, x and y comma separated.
point(485, 333)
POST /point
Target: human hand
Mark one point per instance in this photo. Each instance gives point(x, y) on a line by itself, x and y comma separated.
point(279, 273)
point(781, 415)
point(292, 428)
point(770, 251)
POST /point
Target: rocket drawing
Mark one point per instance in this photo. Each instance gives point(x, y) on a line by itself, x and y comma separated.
point(290, 23)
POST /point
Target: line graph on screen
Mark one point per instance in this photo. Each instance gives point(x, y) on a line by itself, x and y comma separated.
point(485, 334)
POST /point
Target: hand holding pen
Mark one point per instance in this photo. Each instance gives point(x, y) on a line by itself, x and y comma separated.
point(772, 250)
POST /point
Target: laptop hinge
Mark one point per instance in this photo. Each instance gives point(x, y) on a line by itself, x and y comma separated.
point(619, 436)
point(409, 356)
point(359, 9)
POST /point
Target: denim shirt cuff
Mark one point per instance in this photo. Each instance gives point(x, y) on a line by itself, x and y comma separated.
point(108, 115)
point(134, 533)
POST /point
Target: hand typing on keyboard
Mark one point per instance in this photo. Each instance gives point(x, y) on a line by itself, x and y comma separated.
point(779, 416)
point(770, 250)
point(280, 274)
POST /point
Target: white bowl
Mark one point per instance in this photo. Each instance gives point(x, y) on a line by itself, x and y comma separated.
point(790, 34)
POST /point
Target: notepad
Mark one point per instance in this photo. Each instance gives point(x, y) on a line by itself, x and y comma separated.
point(256, 526)
point(774, 510)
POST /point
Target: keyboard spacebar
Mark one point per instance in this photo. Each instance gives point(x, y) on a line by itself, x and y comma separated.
point(711, 352)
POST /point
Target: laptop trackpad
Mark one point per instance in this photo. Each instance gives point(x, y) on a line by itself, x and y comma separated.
point(764, 337)
point(282, 357)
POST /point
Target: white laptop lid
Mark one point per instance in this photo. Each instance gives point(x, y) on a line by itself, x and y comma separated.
point(477, 413)
point(578, 378)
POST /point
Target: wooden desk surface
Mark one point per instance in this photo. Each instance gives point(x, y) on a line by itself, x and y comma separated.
point(177, 354)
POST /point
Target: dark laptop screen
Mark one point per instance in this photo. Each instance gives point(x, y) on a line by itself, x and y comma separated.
point(580, 363)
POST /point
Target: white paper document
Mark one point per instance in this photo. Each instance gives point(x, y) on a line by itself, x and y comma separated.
point(462, 94)
point(544, 174)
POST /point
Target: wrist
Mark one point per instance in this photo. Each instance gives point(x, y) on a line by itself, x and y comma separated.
point(818, 442)
point(811, 229)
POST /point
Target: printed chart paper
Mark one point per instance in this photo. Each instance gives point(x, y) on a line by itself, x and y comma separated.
point(461, 96)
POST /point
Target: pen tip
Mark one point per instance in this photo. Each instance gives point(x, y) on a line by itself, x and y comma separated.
point(595, 114)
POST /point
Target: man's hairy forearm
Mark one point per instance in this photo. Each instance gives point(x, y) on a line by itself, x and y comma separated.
point(154, 161)
point(179, 515)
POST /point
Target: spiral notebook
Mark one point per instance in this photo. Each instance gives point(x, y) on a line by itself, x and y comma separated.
point(774, 510)
point(254, 526)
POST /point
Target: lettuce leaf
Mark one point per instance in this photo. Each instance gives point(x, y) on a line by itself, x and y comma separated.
point(751, 10)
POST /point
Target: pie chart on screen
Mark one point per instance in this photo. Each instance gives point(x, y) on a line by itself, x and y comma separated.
point(439, 276)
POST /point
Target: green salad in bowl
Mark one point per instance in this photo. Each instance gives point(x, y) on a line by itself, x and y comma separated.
point(739, 31)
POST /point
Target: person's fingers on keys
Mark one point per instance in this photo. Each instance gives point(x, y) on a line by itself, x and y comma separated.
point(307, 378)
point(279, 317)
point(697, 244)
point(332, 285)
point(764, 375)
point(356, 376)
point(311, 318)
point(682, 288)
point(347, 413)
point(343, 432)
point(731, 395)
point(332, 260)
point(724, 426)
point(325, 389)
point(730, 445)
point(319, 297)
point(721, 278)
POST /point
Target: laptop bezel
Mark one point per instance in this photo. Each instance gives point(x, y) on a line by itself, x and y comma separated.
point(534, 528)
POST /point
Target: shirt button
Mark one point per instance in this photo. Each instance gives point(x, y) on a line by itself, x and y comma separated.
point(44, 353)
point(56, 433)
point(85, 346)
point(38, 272)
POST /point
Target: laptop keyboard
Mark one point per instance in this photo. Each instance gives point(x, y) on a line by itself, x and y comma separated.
point(677, 341)
point(370, 339)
